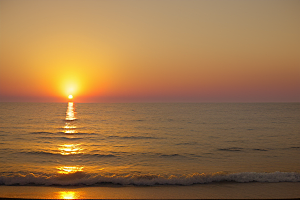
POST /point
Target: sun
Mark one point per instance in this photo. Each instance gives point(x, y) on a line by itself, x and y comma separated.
point(70, 96)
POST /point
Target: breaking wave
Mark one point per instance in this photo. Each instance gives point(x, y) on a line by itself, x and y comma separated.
point(83, 179)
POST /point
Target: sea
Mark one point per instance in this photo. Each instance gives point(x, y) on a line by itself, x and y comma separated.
point(146, 144)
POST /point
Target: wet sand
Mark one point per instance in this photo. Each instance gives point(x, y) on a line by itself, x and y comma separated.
point(284, 190)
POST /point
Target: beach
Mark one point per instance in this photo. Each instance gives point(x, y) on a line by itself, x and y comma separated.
point(199, 191)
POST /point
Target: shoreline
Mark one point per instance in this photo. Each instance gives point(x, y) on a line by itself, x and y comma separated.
point(253, 190)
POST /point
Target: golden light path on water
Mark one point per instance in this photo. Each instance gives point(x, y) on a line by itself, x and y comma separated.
point(69, 169)
point(70, 115)
point(68, 149)
point(70, 127)
point(68, 195)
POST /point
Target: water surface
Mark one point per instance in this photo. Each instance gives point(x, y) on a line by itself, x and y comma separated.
point(70, 143)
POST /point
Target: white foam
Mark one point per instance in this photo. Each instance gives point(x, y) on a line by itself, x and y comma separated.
point(80, 178)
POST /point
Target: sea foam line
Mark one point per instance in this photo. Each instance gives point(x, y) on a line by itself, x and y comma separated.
point(81, 178)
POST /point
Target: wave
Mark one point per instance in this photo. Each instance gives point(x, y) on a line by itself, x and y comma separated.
point(60, 154)
point(61, 132)
point(231, 149)
point(133, 137)
point(110, 154)
point(256, 149)
point(61, 138)
point(83, 179)
point(187, 143)
point(79, 133)
point(70, 120)
point(41, 132)
point(260, 149)
point(169, 155)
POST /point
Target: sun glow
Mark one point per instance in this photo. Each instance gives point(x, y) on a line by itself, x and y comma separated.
point(70, 85)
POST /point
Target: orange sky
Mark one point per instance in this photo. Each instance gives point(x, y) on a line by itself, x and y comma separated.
point(150, 51)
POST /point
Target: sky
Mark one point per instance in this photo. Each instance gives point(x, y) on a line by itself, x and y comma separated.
point(150, 50)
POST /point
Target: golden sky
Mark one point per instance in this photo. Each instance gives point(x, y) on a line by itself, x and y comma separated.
point(150, 50)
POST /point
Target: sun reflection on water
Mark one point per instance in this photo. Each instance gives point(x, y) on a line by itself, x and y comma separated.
point(68, 195)
point(70, 115)
point(70, 149)
point(69, 169)
point(70, 127)
point(70, 172)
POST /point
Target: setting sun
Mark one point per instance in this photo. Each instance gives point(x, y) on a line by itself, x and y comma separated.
point(70, 96)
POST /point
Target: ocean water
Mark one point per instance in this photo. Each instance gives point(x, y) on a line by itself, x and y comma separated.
point(148, 144)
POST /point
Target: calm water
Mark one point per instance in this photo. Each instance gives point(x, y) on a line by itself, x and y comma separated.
point(146, 144)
